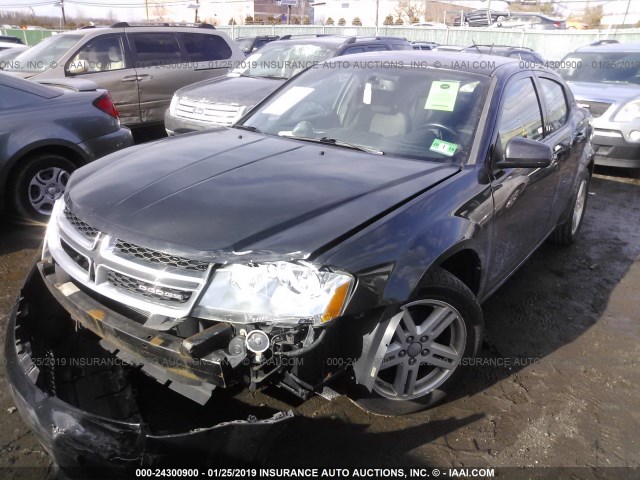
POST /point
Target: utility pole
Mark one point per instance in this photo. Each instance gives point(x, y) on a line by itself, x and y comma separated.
point(146, 7)
point(377, 11)
point(64, 18)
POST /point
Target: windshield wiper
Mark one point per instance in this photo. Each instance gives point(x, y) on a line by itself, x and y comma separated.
point(247, 127)
point(338, 143)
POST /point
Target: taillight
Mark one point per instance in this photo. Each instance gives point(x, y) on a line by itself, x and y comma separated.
point(105, 103)
point(557, 25)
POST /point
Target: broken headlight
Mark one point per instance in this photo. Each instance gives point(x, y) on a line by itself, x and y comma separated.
point(278, 292)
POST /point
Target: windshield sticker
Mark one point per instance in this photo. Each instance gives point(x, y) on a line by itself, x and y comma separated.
point(442, 96)
point(366, 97)
point(445, 148)
point(285, 102)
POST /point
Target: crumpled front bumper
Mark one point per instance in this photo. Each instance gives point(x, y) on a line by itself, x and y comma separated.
point(79, 440)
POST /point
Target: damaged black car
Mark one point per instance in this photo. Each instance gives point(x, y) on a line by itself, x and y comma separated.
point(347, 229)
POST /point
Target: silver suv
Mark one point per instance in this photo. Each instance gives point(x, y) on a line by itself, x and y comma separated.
point(605, 78)
point(141, 66)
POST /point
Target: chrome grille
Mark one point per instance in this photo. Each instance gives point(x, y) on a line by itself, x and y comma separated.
point(138, 287)
point(597, 109)
point(140, 278)
point(161, 258)
point(217, 113)
point(83, 227)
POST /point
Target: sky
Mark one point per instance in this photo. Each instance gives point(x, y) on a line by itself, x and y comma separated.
point(129, 10)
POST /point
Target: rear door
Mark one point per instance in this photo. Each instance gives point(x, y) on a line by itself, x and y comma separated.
point(566, 136)
point(167, 61)
point(110, 66)
point(158, 71)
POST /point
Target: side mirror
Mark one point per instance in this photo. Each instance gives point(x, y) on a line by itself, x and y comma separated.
point(525, 153)
point(77, 66)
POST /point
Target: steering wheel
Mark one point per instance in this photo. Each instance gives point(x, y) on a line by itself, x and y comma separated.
point(453, 135)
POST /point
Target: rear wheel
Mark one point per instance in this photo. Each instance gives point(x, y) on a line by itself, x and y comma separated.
point(421, 365)
point(567, 233)
point(41, 181)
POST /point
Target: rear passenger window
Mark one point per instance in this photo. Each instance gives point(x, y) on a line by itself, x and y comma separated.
point(521, 115)
point(556, 102)
point(155, 49)
point(202, 47)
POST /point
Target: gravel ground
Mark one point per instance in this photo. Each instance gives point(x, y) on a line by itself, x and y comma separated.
point(557, 383)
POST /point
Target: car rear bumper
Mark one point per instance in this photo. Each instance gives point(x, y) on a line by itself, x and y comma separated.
point(101, 146)
point(613, 150)
point(79, 440)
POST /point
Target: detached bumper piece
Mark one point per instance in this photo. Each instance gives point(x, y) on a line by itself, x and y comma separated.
point(91, 410)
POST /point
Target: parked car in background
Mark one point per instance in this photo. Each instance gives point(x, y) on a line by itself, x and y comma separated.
point(429, 24)
point(6, 45)
point(141, 66)
point(424, 45)
point(448, 48)
point(481, 18)
point(532, 21)
point(523, 53)
point(605, 78)
point(224, 100)
point(8, 54)
point(248, 45)
point(11, 39)
point(576, 25)
point(46, 132)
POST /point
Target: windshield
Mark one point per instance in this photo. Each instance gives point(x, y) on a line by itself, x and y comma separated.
point(601, 67)
point(408, 112)
point(283, 60)
point(45, 54)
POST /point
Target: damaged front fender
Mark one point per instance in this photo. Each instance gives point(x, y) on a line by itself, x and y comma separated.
point(77, 438)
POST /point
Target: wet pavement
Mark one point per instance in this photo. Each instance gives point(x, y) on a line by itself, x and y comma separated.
point(557, 382)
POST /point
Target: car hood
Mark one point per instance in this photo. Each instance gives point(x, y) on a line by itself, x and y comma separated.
point(223, 193)
point(604, 92)
point(241, 91)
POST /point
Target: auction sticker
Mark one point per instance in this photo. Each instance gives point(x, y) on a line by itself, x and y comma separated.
point(445, 148)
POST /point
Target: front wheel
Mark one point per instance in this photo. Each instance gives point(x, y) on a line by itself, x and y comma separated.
point(41, 181)
point(422, 363)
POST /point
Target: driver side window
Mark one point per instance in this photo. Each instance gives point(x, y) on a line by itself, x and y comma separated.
point(520, 115)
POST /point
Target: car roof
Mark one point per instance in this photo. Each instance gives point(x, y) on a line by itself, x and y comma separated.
point(493, 48)
point(611, 47)
point(338, 40)
point(473, 62)
point(28, 86)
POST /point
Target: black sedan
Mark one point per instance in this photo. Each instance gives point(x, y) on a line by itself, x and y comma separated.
point(353, 222)
point(46, 132)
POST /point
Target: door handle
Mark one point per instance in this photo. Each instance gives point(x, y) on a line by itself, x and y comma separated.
point(144, 76)
point(130, 78)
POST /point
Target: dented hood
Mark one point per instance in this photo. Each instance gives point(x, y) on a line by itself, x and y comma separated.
point(227, 192)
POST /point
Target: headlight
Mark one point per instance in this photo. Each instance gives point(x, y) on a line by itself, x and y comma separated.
point(278, 292)
point(174, 103)
point(629, 112)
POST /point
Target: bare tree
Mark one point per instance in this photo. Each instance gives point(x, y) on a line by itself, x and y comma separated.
point(410, 10)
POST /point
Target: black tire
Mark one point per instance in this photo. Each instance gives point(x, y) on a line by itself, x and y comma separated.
point(36, 169)
point(441, 288)
point(566, 233)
